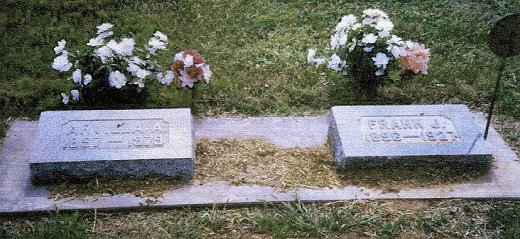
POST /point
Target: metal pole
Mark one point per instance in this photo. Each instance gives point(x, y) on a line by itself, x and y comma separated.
point(495, 95)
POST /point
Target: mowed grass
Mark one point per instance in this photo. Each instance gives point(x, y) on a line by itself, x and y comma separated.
point(257, 51)
point(359, 219)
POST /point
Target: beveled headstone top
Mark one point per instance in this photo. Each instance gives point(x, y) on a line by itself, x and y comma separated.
point(375, 135)
point(112, 138)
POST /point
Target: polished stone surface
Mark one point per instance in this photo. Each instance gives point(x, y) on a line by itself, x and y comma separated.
point(382, 135)
point(78, 145)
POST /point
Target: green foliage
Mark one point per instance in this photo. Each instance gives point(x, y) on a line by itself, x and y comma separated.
point(59, 226)
point(505, 219)
point(257, 51)
point(434, 223)
point(391, 229)
point(290, 220)
point(195, 227)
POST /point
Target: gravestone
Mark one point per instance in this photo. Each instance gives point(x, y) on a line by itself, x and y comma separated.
point(373, 136)
point(113, 144)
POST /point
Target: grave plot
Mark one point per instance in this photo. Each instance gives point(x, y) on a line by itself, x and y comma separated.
point(251, 160)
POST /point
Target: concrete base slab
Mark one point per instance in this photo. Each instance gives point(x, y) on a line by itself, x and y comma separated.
point(17, 194)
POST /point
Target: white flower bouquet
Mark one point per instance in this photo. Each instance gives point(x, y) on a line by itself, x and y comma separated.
point(368, 50)
point(114, 71)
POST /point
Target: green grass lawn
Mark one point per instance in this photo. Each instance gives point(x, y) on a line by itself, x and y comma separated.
point(257, 51)
point(359, 219)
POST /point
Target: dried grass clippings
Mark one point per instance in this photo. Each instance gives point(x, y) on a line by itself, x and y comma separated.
point(258, 162)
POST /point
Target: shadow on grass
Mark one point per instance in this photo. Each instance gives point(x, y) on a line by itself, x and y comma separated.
point(345, 91)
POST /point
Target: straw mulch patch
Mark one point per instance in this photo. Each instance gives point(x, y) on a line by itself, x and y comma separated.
point(152, 187)
point(257, 162)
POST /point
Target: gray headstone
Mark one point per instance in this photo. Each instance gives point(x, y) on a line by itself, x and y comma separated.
point(373, 136)
point(79, 145)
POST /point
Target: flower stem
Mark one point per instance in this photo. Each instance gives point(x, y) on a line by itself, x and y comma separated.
point(193, 97)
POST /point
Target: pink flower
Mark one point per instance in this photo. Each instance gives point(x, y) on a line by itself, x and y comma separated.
point(415, 59)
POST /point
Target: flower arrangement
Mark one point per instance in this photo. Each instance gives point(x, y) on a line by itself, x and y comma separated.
point(368, 50)
point(114, 71)
point(191, 68)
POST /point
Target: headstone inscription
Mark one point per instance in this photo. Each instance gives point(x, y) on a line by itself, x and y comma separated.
point(114, 144)
point(372, 136)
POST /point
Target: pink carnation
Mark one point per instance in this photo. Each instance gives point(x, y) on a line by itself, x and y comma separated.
point(415, 59)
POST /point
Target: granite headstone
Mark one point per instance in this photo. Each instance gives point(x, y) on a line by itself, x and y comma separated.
point(79, 145)
point(373, 136)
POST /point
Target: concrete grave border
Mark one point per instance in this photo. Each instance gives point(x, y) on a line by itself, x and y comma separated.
point(18, 195)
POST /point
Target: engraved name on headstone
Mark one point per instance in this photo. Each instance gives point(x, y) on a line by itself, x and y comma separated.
point(409, 129)
point(78, 145)
point(114, 134)
point(372, 136)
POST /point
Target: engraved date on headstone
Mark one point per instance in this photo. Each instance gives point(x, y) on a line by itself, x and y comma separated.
point(114, 134)
point(409, 129)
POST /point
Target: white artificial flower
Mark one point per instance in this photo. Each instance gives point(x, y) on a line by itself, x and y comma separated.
point(368, 49)
point(380, 72)
point(95, 42)
point(142, 73)
point(381, 60)
point(396, 51)
point(409, 44)
point(74, 94)
point(369, 38)
point(346, 22)
point(384, 25)
point(64, 98)
point(139, 82)
point(61, 63)
point(373, 16)
point(311, 55)
point(137, 60)
point(76, 76)
point(104, 27)
point(104, 53)
point(311, 58)
point(133, 68)
point(334, 42)
point(155, 44)
point(117, 79)
point(104, 35)
point(186, 80)
point(179, 56)
point(167, 79)
point(61, 46)
point(99, 40)
point(87, 79)
point(374, 13)
point(206, 72)
point(338, 40)
point(319, 61)
point(356, 26)
point(335, 63)
point(112, 44)
point(161, 36)
point(383, 34)
point(188, 61)
point(395, 40)
point(124, 48)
